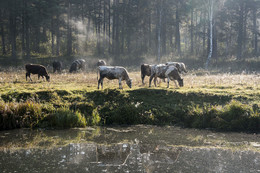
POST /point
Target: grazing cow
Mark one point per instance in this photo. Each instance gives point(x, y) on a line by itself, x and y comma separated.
point(145, 71)
point(36, 69)
point(164, 71)
point(101, 63)
point(56, 66)
point(114, 72)
point(179, 65)
point(77, 64)
point(173, 74)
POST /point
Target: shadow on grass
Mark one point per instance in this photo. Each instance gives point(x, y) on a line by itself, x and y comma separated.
point(163, 96)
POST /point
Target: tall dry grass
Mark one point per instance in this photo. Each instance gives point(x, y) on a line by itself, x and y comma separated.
point(89, 80)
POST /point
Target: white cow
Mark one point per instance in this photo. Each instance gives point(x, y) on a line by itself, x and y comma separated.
point(114, 72)
point(179, 65)
point(165, 71)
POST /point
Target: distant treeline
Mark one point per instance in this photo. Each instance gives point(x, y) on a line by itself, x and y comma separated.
point(119, 28)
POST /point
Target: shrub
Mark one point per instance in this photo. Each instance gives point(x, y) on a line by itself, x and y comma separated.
point(65, 118)
point(123, 114)
point(16, 115)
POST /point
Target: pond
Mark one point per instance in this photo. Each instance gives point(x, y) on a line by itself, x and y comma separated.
point(128, 149)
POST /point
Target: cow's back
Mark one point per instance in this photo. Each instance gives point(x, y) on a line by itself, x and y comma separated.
point(146, 69)
point(34, 69)
point(111, 72)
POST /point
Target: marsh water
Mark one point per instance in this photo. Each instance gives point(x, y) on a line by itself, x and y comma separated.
point(128, 149)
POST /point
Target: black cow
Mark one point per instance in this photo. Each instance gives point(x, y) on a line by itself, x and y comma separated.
point(36, 69)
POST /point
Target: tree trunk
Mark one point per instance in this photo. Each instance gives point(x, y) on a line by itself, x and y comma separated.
point(12, 25)
point(159, 10)
point(27, 35)
point(195, 31)
point(2, 32)
point(177, 32)
point(211, 34)
point(99, 28)
point(215, 40)
point(255, 32)
point(244, 30)
point(191, 32)
point(23, 27)
point(52, 37)
point(240, 31)
point(58, 36)
point(123, 29)
point(69, 34)
point(163, 32)
point(104, 27)
point(109, 27)
point(116, 30)
point(204, 35)
point(149, 30)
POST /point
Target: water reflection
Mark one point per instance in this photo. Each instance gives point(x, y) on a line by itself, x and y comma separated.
point(128, 149)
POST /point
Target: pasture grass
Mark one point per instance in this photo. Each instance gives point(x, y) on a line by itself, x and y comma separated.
point(219, 101)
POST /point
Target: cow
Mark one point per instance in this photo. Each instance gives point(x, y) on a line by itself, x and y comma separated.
point(179, 65)
point(173, 74)
point(114, 72)
point(56, 66)
point(76, 65)
point(101, 63)
point(145, 71)
point(163, 71)
point(36, 69)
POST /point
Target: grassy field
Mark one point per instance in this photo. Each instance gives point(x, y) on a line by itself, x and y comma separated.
point(219, 101)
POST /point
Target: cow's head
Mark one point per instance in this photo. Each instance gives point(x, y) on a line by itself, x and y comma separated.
point(48, 78)
point(183, 67)
point(129, 83)
point(180, 81)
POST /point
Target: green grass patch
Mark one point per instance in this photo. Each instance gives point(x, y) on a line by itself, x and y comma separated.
point(220, 102)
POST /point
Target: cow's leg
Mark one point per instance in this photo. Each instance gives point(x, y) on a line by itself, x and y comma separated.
point(143, 76)
point(100, 81)
point(168, 81)
point(175, 83)
point(155, 81)
point(120, 84)
point(28, 74)
point(150, 80)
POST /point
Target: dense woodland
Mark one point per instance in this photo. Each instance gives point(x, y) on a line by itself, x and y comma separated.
point(130, 28)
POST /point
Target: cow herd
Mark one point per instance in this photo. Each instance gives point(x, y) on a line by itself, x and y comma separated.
point(169, 71)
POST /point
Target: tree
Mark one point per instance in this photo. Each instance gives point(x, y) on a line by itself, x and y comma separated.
point(211, 5)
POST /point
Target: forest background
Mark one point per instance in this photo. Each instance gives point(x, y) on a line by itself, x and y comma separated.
point(131, 32)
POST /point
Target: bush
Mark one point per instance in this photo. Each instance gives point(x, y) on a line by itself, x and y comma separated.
point(123, 114)
point(16, 115)
point(65, 118)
